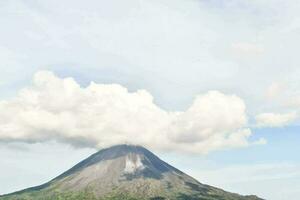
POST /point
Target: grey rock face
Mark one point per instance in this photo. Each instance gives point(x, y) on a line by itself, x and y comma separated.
point(130, 170)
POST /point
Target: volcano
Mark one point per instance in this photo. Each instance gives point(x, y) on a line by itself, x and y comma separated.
point(124, 172)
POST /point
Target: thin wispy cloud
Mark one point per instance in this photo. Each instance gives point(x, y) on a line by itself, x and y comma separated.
point(275, 119)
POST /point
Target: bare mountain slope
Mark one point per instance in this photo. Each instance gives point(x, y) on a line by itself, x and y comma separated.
point(124, 172)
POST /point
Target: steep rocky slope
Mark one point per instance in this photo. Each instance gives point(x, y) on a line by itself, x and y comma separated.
point(124, 172)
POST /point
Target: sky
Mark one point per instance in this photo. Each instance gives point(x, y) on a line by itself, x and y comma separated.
point(211, 86)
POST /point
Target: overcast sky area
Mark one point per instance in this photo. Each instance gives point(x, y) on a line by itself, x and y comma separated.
point(210, 86)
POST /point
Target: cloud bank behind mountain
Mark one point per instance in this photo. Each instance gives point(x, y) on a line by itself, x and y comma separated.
point(100, 115)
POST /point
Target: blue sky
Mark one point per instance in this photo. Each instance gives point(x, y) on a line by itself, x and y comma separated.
point(166, 56)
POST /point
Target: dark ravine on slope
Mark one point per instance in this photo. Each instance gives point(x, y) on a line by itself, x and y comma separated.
point(124, 172)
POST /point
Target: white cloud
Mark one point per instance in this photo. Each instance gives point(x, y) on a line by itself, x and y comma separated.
point(275, 119)
point(100, 115)
point(247, 48)
point(275, 90)
point(294, 102)
point(153, 40)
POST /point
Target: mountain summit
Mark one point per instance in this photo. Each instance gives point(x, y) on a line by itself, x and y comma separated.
point(124, 172)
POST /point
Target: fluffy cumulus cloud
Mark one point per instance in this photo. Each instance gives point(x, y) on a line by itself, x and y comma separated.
point(101, 115)
point(275, 119)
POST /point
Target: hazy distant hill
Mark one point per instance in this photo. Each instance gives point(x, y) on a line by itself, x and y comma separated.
point(124, 172)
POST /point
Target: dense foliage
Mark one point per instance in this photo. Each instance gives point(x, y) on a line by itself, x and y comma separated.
point(86, 195)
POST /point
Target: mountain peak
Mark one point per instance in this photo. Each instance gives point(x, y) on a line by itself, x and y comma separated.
point(130, 159)
point(121, 150)
point(123, 171)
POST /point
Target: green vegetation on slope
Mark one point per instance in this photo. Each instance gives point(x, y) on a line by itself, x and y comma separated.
point(86, 195)
point(105, 176)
